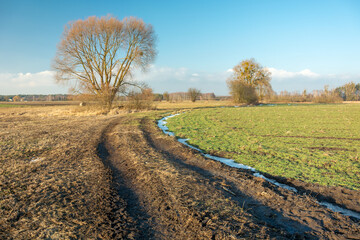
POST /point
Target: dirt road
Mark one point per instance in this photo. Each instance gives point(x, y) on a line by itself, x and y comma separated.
point(168, 191)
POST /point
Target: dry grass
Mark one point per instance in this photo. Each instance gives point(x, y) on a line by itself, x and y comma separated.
point(52, 184)
point(188, 104)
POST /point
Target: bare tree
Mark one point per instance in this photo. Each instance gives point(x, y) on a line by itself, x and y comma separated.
point(249, 74)
point(350, 91)
point(166, 96)
point(101, 53)
point(193, 94)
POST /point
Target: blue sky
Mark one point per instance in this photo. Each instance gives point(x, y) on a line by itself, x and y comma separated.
point(306, 44)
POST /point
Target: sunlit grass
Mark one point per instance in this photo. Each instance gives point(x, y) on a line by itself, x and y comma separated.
point(314, 143)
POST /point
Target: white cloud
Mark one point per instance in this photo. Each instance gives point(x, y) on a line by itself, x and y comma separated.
point(29, 83)
point(283, 74)
point(308, 73)
point(307, 79)
point(163, 79)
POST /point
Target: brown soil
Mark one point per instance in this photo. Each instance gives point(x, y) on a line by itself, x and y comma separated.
point(120, 177)
point(52, 183)
point(172, 192)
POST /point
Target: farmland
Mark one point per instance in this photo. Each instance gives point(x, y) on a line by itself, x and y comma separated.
point(69, 172)
point(313, 143)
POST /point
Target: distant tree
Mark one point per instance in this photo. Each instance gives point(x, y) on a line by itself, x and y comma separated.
point(158, 97)
point(16, 98)
point(166, 96)
point(207, 96)
point(101, 53)
point(350, 91)
point(357, 87)
point(340, 92)
point(248, 75)
point(304, 96)
point(327, 96)
point(193, 94)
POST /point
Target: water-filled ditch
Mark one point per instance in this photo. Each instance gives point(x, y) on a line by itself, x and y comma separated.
point(230, 162)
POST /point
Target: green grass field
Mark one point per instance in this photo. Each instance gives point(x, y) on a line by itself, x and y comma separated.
point(313, 143)
point(4, 105)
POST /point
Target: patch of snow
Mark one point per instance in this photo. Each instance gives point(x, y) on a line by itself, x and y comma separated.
point(275, 182)
point(34, 160)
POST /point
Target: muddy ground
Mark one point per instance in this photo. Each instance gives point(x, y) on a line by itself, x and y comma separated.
point(173, 192)
point(120, 177)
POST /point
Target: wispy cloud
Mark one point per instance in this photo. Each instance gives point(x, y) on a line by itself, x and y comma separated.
point(283, 74)
point(29, 83)
point(307, 79)
point(163, 79)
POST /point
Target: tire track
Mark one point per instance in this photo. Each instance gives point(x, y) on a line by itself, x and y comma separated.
point(171, 192)
point(287, 207)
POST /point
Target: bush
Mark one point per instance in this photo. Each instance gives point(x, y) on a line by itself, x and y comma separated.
point(327, 96)
point(242, 92)
point(324, 98)
point(140, 101)
point(166, 96)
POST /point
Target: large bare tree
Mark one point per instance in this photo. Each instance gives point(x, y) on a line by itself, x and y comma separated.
point(248, 75)
point(101, 53)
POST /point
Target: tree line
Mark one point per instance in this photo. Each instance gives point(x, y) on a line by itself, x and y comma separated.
point(250, 83)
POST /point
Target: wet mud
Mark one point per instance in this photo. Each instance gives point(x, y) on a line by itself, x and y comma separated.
point(167, 190)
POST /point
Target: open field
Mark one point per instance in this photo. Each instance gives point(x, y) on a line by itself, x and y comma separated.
point(67, 172)
point(52, 183)
point(5, 105)
point(312, 143)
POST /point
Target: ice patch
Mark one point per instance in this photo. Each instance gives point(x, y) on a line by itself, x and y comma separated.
point(229, 162)
point(275, 182)
point(34, 160)
point(344, 211)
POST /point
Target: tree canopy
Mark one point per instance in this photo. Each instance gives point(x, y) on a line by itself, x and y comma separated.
point(101, 53)
point(249, 81)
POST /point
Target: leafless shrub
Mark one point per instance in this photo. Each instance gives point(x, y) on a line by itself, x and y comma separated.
point(166, 96)
point(327, 96)
point(140, 100)
point(194, 94)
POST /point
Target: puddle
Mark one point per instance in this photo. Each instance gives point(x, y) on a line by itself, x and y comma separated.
point(230, 162)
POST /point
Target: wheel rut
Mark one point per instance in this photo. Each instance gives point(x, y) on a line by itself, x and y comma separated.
point(168, 191)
